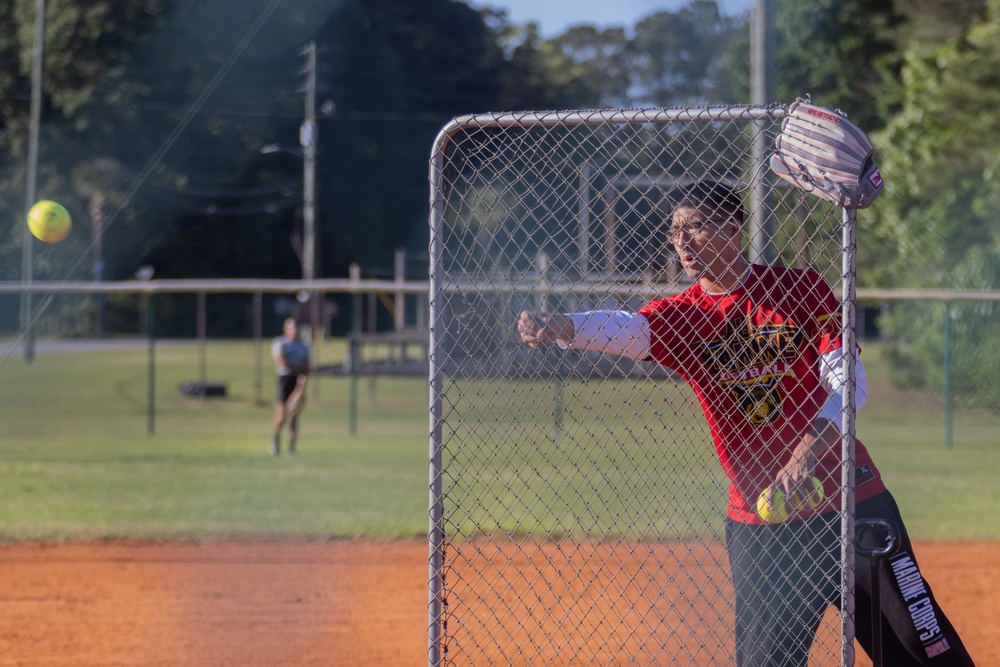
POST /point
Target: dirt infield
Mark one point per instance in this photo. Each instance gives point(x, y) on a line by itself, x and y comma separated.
point(352, 602)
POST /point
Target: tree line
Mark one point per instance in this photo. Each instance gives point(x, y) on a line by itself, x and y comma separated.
point(121, 76)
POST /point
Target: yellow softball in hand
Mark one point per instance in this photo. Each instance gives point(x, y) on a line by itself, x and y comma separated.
point(814, 498)
point(774, 512)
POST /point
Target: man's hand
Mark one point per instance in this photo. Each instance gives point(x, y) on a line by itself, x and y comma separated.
point(796, 475)
point(541, 329)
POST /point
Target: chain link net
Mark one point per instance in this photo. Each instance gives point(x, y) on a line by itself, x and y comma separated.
point(577, 501)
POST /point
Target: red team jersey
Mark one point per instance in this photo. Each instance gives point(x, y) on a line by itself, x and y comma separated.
point(752, 358)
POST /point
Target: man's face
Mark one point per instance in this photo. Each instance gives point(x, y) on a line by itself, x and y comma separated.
point(291, 329)
point(706, 241)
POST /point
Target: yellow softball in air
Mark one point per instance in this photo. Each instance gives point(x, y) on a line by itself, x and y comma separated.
point(49, 221)
point(815, 497)
point(775, 511)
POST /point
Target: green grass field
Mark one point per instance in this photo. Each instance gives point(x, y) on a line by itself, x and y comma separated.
point(943, 493)
point(77, 461)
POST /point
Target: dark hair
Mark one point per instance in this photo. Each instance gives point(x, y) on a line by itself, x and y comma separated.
point(713, 196)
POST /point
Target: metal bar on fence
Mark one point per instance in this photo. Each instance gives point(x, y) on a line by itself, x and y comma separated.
point(353, 360)
point(594, 117)
point(435, 511)
point(949, 407)
point(258, 337)
point(318, 335)
point(151, 364)
point(202, 326)
point(372, 328)
point(341, 286)
point(847, 430)
point(213, 286)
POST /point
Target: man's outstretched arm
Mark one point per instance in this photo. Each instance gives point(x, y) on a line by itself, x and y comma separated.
point(608, 331)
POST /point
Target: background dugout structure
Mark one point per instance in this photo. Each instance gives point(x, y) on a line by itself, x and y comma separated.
point(576, 503)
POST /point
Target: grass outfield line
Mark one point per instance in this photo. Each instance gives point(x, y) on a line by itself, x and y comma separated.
point(77, 462)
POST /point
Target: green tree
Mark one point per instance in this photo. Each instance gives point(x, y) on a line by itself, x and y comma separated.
point(673, 53)
point(935, 225)
point(939, 160)
point(840, 52)
point(586, 67)
point(936, 21)
point(86, 45)
point(85, 48)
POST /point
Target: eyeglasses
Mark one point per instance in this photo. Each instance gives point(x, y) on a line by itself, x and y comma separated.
point(692, 229)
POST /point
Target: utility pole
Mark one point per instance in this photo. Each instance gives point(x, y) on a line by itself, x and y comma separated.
point(762, 92)
point(32, 177)
point(308, 144)
point(308, 136)
point(307, 140)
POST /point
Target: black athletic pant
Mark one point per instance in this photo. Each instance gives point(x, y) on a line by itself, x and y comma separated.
point(786, 575)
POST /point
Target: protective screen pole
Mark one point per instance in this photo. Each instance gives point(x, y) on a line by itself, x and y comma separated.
point(847, 430)
point(435, 514)
point(32, 176)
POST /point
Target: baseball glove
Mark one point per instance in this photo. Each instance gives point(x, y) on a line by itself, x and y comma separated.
point(820, 151)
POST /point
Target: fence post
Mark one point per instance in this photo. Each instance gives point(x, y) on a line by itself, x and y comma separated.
point(258, 337)
point(399, 304)
point(352, 352)
point(949, 407)
point(202, 333)
point(151, 364)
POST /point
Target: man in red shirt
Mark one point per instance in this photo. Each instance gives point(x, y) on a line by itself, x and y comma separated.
point(760, 347)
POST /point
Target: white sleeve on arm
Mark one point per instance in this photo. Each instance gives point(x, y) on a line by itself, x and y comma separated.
point(611, 332)
point(831, 375)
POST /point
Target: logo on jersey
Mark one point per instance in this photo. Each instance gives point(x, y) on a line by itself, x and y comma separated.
point(759, 402)
point(751, 360)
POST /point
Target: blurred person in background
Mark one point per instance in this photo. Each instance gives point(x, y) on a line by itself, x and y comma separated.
point(291, 362)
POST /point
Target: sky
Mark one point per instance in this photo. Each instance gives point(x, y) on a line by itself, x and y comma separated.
point(555, 16)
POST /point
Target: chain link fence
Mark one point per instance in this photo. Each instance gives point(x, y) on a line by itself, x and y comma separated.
point(120, 360)
point(577, 502)
point(942, 378)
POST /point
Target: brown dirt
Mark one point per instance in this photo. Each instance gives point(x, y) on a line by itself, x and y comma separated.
point(350, 602)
